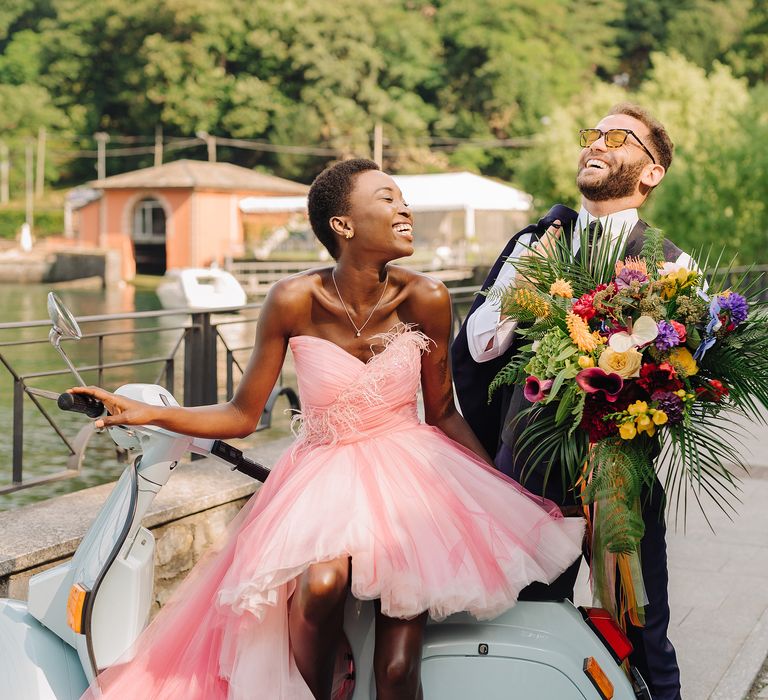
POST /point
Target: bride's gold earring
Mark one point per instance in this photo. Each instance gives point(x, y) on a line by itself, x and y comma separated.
point(348, 235)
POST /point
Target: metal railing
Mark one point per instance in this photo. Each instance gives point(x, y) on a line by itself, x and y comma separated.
point(195, 340)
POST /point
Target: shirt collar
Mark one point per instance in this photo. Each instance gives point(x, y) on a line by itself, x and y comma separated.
point(618, 223)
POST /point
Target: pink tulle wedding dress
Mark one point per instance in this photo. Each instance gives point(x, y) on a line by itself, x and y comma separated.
point(427, 524)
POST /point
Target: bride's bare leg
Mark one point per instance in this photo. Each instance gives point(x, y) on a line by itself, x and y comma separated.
point(315, 621)
point(397, 657)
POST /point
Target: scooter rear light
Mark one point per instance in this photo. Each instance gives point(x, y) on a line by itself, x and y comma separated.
point(78, 595)
point(609, 631)
point(596, 674)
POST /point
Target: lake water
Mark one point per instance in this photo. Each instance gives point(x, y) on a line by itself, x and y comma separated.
point(44, 451)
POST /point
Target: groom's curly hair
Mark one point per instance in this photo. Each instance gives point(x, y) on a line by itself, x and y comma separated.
point(329, 197)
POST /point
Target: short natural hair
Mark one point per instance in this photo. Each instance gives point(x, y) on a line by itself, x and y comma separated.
point(329, 197)
point(660, 141)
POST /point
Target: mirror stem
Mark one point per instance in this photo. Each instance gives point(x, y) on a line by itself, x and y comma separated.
point(55, 339)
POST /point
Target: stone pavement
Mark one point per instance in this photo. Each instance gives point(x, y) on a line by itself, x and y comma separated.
point(719, 588)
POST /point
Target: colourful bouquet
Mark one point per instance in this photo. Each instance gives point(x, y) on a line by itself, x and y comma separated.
point(625, 360)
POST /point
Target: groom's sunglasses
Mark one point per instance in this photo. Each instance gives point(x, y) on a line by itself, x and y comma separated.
point(614, 138)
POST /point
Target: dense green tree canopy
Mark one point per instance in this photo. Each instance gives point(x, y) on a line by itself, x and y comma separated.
point(499, 87)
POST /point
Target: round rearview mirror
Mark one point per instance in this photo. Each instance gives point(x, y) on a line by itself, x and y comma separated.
point(64, 322)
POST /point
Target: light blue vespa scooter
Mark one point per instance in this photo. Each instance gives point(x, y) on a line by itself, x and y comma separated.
point(83, 615)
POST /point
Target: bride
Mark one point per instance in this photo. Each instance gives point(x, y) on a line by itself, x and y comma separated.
point(369, 499)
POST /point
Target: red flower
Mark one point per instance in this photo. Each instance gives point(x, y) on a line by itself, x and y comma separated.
point(595, 407)
point(714, 391)
point(661, 377)
point(583, 306)
point(680, 330)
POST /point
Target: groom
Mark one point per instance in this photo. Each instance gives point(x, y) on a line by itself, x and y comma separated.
point(622, 160)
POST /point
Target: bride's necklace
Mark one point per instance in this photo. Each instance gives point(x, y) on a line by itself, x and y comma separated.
point(359, 330)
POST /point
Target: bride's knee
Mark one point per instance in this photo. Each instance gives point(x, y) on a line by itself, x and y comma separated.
point(321, 589)
point(398, 671)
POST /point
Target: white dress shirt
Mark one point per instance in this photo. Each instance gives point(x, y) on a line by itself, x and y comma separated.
point(489, 335)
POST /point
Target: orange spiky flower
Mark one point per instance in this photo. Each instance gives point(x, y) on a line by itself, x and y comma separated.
point(578, 329)
point(635, 264)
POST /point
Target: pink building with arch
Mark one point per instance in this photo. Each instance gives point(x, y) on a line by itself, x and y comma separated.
point(180, 214)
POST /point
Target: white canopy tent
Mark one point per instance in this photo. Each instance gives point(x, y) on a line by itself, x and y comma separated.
point(463, 191)
point(433, 195)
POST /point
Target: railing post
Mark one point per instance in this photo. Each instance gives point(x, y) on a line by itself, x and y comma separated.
point(170, 379)
point(192, 361)
point(18, 431)
point(230, 374)
point(200, 371)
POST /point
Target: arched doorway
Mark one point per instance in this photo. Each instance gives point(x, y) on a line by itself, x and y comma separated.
point(149, 237)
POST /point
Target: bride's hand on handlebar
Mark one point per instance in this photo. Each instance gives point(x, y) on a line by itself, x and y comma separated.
point(122, 411)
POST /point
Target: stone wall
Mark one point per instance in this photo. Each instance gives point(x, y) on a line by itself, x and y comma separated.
point(46, 265)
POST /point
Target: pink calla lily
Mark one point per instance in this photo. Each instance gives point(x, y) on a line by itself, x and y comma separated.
point(595, 379)
point(536, 389)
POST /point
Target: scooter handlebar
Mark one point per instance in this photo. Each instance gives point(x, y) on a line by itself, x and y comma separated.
point(81, 403)
point(238, 460)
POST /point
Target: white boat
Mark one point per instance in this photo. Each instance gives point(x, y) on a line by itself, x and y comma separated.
point(200, 288)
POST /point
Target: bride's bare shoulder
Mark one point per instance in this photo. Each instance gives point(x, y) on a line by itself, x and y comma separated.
point(424, 298)
point(293, 294)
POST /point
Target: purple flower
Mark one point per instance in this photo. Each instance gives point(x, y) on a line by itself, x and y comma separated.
point(670, 403)
point(536, 389)
point(595, 379)
point(668, 337)
point(627, 275)
point(736, 305)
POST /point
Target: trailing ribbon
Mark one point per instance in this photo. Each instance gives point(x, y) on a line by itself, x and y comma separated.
point(611, 484)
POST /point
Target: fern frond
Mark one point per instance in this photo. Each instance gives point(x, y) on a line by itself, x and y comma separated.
point(653, 251)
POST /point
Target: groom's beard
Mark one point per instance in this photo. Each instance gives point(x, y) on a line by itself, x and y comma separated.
point(616, 184)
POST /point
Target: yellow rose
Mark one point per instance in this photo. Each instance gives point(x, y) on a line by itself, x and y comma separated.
point(627, 430)
point(585, 362)
point(682, 360)
point(626, 364)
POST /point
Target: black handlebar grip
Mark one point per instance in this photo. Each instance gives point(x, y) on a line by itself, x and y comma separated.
point(253, 469)
point(81, 403)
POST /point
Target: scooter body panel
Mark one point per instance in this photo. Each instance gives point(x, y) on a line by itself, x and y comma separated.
point(122, 608)
point(47, 600)
point(35, 664)
point(534, 651)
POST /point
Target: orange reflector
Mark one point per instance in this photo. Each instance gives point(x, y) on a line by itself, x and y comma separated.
point(78, 594)
point(598, 678)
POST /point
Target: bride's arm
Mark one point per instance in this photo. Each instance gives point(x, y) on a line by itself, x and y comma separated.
point(237, 417)
point(430, 306)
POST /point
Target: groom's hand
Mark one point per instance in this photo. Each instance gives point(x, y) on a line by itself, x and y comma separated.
point(543, 248)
